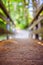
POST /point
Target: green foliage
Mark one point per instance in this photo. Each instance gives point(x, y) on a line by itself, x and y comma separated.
point(16, 10)
point(2, 24)
point(2, 11)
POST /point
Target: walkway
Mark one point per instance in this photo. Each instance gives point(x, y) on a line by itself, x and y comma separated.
point(21, 52)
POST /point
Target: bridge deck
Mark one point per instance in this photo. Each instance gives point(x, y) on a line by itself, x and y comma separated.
point(21, 52)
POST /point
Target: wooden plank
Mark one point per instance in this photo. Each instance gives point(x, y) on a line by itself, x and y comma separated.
point(5, 10)
point(40, 30)
point(37, 14)
point(4, 18)
point(35, 23)
point(4, 31)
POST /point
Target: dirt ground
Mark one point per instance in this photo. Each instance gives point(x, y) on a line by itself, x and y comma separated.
point(21, 52)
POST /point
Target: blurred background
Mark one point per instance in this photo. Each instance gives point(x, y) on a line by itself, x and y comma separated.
point(20, 18)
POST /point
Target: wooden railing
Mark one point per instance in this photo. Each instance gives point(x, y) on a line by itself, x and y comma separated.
point(37, 30)
point(36, 21)
point(6, 18)
point(2, 6)
point(37, 14)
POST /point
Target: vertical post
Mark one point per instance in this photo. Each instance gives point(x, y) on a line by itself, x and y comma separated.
point(36, 29)
point(8, 27)
point(34, 36)
point(35, 5)
point(39, 26)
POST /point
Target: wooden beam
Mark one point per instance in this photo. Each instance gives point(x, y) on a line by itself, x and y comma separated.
point(37, 14)
point(35, 23)
point(40, 30)
point(4, 31)
point(2, 6)
point(4, 18)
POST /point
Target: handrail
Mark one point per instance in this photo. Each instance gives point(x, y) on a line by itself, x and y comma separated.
point(37, 14)
point(2, 6)
point(4, 18)
point(35, 23)
point(4, 31)
point(40, 30)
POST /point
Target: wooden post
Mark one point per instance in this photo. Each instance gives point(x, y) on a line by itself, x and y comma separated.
point(8, 28)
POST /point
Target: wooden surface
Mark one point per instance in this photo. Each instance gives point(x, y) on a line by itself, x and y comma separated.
point(35, 23)
point(4, 31)
point(38, 13)
point(38, 31)
point(5, 19)
point(21, 52)
point(2, 6)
